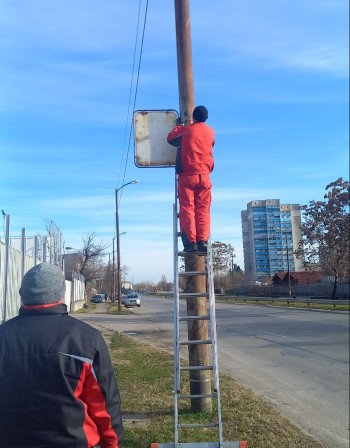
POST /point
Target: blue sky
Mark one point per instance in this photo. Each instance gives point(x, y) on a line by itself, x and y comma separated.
point(273, 73)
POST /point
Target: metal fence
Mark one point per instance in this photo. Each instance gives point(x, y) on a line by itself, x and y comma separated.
point(321, 290)
point(14, 263)
point(288, 300)
point(12, 266)
point(11, 274)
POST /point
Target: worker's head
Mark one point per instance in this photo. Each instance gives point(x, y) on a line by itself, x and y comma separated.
point(200, 113)
point(44, 284)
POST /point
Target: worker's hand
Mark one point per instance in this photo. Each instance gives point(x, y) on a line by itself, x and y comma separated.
point(179, 122)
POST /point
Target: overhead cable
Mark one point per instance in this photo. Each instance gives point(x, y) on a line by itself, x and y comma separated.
point(136, 88)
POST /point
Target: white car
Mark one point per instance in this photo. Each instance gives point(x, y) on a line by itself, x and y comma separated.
point(132, 299)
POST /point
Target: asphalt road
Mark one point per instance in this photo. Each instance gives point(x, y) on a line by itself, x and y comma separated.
point(297, 359)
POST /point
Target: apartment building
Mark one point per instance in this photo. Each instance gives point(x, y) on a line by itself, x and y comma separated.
point(271, 234)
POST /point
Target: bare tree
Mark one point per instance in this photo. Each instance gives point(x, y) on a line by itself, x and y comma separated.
point(88, 261)
point(223, 255)
point(92, 255)
point(325, 232)
point(164, 285)
point(236, 275)
point(161, 285)
point(124, 271)
point(145, 286)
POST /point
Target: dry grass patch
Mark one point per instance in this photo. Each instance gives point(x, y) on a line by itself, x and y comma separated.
point(88, 308)
point(113, 308)
point(145, 378)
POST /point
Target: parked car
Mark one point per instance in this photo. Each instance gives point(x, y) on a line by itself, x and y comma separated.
point(104, 296)
point(97, 298)
point(132, 299)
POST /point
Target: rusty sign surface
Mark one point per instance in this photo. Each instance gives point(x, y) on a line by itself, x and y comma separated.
point(151, 128)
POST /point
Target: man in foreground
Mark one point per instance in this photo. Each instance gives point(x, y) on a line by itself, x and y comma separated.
point(57, 385)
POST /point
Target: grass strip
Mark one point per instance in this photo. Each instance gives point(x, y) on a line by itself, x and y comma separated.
point(88, 308)
point(275, 302)
point(113, 308)
point(145, 378)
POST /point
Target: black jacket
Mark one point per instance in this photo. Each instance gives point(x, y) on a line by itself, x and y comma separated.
point(57, 385)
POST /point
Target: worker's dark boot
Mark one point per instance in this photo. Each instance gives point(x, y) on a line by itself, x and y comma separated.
point(192, 247)
point(202, 246)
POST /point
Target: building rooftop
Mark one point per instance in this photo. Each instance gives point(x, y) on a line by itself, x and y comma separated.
point(299, 277)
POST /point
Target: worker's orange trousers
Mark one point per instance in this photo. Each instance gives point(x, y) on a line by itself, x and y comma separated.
point(194, 194)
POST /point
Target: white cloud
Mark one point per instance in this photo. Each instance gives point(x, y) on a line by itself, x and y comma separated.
point(318, 57)
point(280, 35)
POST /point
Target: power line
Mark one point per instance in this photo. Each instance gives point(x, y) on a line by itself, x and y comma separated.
point(136, 89)
point(130, 90)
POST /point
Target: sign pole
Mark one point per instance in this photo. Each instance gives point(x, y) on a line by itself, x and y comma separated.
point(200, 381)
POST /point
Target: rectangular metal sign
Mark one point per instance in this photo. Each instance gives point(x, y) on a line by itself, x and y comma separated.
point(151, 128)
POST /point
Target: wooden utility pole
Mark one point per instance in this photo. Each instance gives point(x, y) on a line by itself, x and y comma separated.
point(113, 278)
point(200, 381)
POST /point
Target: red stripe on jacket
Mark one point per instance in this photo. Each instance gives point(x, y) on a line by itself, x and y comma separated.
point(42, 306)
point(97, 420)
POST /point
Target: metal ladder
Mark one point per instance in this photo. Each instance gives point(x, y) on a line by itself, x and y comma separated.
point(178, 368)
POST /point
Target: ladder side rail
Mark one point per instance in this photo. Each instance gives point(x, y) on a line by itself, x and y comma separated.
point(176, 309)
point(177, 386)
point(211, 295)
point(214, 336)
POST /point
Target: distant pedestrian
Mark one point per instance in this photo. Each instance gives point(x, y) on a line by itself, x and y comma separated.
point(57, 384)
point(194, 163)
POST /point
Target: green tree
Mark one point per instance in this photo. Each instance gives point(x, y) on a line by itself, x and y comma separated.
point(325, 232)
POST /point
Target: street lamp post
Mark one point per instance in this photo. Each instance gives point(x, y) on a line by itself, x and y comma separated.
point(119, 278)
point(232, 271)
point(288, 269)
point(289, 282)
point(113, 239)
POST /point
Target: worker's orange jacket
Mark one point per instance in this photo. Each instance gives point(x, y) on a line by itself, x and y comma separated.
point(194, 162)
point(195, 143)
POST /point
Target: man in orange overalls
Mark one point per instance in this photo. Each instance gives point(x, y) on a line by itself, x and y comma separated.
point(194, 163)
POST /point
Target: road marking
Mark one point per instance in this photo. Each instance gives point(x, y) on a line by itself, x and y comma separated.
point(275, 334)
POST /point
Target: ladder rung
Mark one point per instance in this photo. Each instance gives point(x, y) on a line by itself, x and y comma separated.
point(197, 342)
point(194, 368)
point(193, 294)
point(198, 396)
point(185, 318)
point(182, 253)
point(189, 273)
point(198, 425)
